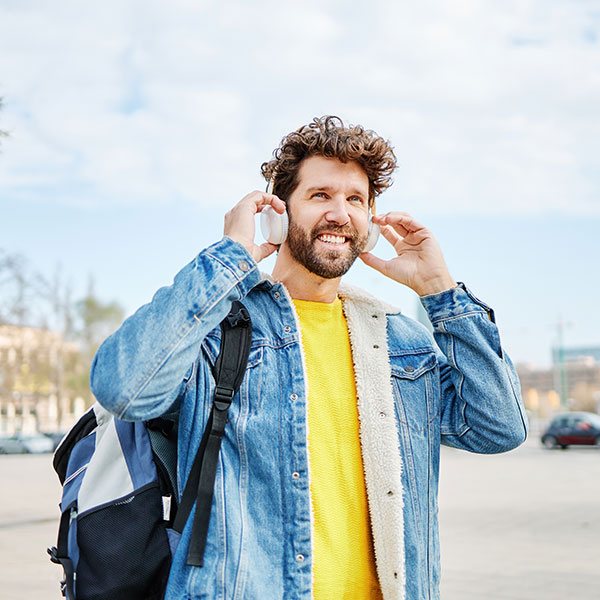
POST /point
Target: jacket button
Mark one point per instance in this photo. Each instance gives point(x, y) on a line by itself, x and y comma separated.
point(300, 557)
point(382, 415)
point(287, 328)
point(294, 397)
point(296, 475)
point(244, 266)
point(276, 294)
point(409, 369)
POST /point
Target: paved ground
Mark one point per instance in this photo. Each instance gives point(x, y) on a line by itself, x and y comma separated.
point(28, 525)
point(519, 526)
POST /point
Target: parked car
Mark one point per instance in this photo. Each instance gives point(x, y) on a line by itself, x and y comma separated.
point(26, 444)
point(576, 428)
point(11, 445)
point(56, 438)
point(37, 443)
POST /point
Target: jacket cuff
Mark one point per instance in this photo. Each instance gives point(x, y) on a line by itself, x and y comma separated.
point(454, 302)
point(238, 261)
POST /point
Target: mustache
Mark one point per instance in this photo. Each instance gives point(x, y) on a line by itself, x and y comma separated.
point(345, 230)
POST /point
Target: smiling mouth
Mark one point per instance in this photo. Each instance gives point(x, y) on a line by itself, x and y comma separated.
point(334, 240)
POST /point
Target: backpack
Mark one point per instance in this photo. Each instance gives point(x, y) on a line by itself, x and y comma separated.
point(120, 520)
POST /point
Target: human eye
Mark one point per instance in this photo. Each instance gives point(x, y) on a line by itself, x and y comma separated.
point(355, 199)
point(319, 195)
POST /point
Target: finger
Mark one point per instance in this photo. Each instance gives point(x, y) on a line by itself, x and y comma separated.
point(391, 235)
point(262, 199)
point(383, 221)
point(403, 220)
point(374, 262)
point(254, 201)
point(276, 204)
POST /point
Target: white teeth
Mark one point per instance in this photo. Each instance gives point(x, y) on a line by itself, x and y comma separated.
point(332, 239)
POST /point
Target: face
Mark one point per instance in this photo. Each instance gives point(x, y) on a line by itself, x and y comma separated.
point(328, 216)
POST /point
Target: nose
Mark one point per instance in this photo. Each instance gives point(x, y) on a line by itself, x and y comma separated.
point(337, 211)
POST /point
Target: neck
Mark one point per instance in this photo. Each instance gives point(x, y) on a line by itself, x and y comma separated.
point(301, 283)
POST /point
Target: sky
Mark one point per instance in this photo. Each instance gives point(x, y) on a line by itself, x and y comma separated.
point(135, 126)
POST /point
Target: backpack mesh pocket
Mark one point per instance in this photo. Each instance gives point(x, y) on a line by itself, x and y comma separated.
point(103, 573)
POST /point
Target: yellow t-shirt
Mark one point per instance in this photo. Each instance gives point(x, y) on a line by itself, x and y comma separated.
point(343, 559)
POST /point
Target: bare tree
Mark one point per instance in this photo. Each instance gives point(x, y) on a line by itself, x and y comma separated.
point(59, 317)
point(18, 300)
point(66, 333)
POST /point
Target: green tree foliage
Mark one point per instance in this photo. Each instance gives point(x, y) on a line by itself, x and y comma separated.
point(95, 321)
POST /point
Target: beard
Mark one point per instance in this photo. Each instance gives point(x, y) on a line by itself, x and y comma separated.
point(327, 264)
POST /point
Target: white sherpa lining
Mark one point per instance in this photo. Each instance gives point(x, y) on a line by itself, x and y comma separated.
point(379, 436)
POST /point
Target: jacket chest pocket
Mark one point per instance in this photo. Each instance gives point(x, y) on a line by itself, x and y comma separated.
point(416, 391)
point(248, 399)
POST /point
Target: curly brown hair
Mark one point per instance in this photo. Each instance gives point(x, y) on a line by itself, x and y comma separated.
point(329, 137)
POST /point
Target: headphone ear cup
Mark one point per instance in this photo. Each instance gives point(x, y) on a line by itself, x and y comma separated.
point(374, 231)
point(273, 226)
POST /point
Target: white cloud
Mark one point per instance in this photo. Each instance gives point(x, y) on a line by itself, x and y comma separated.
point(493, 107)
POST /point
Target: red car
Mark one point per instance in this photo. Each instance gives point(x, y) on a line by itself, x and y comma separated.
point(581, 428)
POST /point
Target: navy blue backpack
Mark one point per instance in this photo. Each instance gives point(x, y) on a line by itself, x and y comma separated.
point(120, 519)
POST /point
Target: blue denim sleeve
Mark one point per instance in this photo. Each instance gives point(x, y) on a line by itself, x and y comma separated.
point(481, 406)
point(139, 370)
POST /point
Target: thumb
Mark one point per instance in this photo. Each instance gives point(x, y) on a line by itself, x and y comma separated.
point(374, 262)
point(265, 250)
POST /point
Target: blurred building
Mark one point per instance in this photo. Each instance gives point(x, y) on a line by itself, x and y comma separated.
point(579, 353)
point(571, 383)
point(33, 394)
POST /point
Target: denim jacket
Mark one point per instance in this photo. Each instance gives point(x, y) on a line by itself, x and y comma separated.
point(412, 396)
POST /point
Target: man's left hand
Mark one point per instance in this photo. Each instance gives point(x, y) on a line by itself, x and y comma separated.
point(419, 263)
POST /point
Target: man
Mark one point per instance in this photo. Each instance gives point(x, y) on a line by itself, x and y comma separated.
point(327, 481)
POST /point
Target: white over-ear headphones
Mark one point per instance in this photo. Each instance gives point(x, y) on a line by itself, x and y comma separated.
point(374, 230)
point(274, 226)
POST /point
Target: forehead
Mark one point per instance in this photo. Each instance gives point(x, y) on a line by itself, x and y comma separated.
point(317, 171)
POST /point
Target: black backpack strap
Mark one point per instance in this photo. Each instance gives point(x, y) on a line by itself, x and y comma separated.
point(230, 367)
point(84, 426)
point(59, 554)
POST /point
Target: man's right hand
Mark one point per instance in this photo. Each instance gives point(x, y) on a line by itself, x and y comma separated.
point(239, 222)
